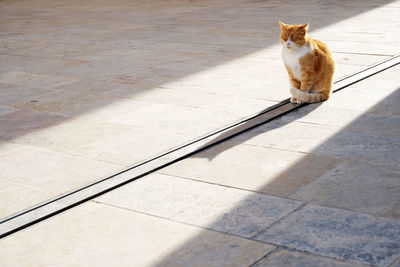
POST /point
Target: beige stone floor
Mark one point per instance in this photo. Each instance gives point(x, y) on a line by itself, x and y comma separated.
point(90, 88)
point(319, 186)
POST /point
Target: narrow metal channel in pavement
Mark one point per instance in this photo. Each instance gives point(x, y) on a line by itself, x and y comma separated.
point(64, 202)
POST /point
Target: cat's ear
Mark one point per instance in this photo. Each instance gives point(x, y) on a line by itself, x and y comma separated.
point(305, 27)
point(283, 25)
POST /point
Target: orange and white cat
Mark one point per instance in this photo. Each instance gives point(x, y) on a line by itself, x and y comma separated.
point(309, 63)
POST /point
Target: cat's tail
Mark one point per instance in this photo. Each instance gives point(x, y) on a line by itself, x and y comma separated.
point(304, 97)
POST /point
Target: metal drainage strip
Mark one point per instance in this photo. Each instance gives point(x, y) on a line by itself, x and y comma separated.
point(61, 203)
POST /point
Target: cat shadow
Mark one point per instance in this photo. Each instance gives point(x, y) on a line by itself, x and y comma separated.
point(246, 131)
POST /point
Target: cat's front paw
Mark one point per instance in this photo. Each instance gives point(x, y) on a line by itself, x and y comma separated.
point(295, 100)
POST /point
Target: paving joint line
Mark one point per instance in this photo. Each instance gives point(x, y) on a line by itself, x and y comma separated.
point(309, 253)
point(301, 206)
point(170, 219)
point(344, 158)
point(157, 157)
point(230, 187)
point(47, 209)
point(276, 249)
point(275, 196)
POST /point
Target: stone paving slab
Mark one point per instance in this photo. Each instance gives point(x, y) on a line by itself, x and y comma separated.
point(21, 122)
point(110, 111)
point(35, 80)
point(294, 136)
point(344, 58)
point(370, 137)
point(236, 212)
point(215, 207)
point(133, 146)
point(99, 235)
point(369, 148)
point(338, 233)
point(64, 103)
point(11, 202)
point(355, 186)
point(388, 106)
point(23, 64)
point(375, 83)
point(160, 195)
point(179, 119)
point(15, 94)
point(365, 99)
point(322, 115)
point(292, 259)
point(93, 87)
point(240, 107)
point(252, 167)
point(49, 171)
point(170, 97)
point(71, 135)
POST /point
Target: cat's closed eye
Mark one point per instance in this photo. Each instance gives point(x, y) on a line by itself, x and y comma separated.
point(309, 64)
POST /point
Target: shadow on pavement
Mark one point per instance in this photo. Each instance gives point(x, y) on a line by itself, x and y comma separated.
point(362, 176)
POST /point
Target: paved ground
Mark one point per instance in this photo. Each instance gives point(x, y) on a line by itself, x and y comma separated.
point(89, 89)
point(317, 187)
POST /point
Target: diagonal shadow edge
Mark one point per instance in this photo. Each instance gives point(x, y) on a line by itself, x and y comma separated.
point(47, 209)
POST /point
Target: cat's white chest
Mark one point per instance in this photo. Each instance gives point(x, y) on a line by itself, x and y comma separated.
point(291, 58)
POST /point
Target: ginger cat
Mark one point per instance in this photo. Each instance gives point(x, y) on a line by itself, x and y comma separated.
point(309, 63)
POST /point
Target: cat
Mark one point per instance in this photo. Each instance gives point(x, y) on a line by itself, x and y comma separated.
point(309, 63)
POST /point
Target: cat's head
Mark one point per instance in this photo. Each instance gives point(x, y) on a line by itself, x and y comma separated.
point(293, 36)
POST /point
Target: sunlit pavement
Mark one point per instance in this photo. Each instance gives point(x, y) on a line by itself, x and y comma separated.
point(89, 89)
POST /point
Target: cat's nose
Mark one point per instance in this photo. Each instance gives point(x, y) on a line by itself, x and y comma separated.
point(288, 45)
